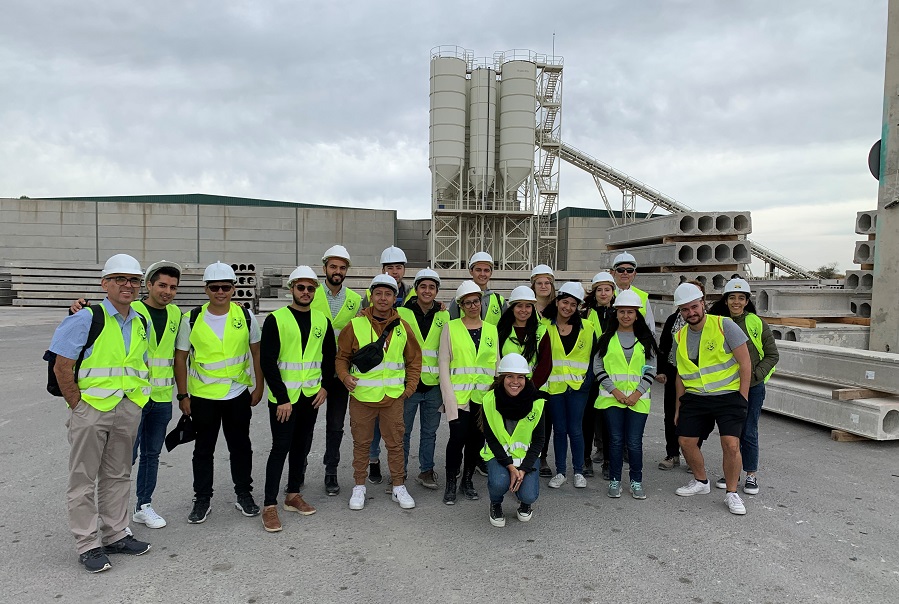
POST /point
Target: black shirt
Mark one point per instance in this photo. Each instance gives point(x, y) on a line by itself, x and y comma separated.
point(270, 348)
point(160, 318)
point(424, 320)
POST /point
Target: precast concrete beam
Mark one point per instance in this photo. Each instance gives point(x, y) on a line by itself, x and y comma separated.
point(861, 305)
point(859, 280)
point(864, 252)
point(687, 224)
point(664, 284)
point(866, 222)
point(804, 301)
point(705, 253)
point(844, 366)
point(829, 334)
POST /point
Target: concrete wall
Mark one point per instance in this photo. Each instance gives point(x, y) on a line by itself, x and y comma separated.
point(581, 241)
point(412, 237)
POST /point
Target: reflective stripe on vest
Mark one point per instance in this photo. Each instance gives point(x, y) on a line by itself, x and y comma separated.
point(109, 374)
point(216, 364)
point(430, 344)
point(387, 378)
point(754, 328)
point(472, 371)
point(626, 376)
point(718, 371)
point(161, 355)
point(351, 304)
point(515, 445)
point(569, 370)
point(300, 369)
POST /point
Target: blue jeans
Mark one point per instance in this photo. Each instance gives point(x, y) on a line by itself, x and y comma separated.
point(498, 484)
point(150, 436)
point(429, 402)
point(625, 430)
point(567, 411)
point(749, 438)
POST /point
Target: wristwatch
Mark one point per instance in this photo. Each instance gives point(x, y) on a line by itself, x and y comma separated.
point(181, 397)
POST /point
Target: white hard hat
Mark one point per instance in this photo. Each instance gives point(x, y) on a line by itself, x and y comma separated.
point(393, 255)
point(542, 269)
point(740, 286)
point(336, 251)
point(624, 258)
point(153, 268)
point(573, 288)
point(480, 257)
point(467, 287)
point(122, 264)
point(426, 273)
point(629, 299)
point(602, 277)
point(385, 280)
point(522, 293)
point(219, 271)
point(513, 363)
point(302, 272)
point(686, 292)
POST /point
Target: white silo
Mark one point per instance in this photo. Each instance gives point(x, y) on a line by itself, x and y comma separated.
point(447, 125)
point(482, 128)
point(517, 104)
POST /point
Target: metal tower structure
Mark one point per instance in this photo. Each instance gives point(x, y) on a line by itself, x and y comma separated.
point(549, 141)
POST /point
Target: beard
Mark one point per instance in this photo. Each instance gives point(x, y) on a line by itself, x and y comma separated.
point(335, 279)
point(301, 303)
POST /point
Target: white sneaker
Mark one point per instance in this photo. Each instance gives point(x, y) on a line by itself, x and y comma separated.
point(579, 481)
point(402, 497)
point(147, 515)
point(734, 504)
point(556, 481)
point(694, 487)
point(357, 499)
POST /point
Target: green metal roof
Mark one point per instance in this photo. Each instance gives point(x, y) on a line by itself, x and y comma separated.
point(590, 213)
point(196, 199)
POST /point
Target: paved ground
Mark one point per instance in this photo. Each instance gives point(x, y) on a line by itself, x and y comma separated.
point(823, 528)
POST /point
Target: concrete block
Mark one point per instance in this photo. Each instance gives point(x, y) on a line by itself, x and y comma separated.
point(859, 280)
point(706, 253)
point(664, 284)
point(680, 225)
point(866, 222)
point(864, 252)
point(861, 306)
point(845, 366)
point(828, 334)
point(803, 301)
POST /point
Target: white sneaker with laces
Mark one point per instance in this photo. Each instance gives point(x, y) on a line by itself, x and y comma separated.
point(579, 481)
point(556, 481)
point(694, 487)
point(734, 504)
point(147, 515)
point(357, 499)
point(402, 497)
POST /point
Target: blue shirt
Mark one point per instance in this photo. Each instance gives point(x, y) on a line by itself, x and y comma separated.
point(71, 335)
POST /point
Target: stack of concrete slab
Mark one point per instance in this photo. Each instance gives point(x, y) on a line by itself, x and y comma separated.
point(6, 294)
point(860, 282)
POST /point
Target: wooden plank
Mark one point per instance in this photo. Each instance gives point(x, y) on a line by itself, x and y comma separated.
point(845, 437)
point(867, 267)
point(790, 321)
point(852, 394)
point(847, 320)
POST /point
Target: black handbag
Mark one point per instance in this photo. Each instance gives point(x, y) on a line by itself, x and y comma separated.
point(370, 356)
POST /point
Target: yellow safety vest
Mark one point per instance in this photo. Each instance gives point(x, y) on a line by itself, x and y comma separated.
point(494, 309)
point(515, 445)
point(351, 304)
point(430, 344)
point(300, 368)
point(593, 317)
point(626, 376)
point(215, 364)
point(718, 371)
point(387, 378)
point(109, 374)
point(569, 370)
point(511, 345)
point(472, 371)
point(754, 328)
point(161, 356)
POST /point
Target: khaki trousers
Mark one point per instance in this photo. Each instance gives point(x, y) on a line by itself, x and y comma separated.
point(100, 472)
point(362, 426)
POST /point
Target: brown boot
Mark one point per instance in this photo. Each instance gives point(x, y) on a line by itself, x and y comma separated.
point(295, 503)
point(270, 520)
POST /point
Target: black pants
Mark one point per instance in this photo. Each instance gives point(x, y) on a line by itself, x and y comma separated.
point(293, 438)
point(465, 435)
point(233, 416)
point(335, 418)
point(672, 448)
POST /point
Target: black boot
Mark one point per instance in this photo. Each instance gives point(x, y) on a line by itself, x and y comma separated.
point(467, 486)
point(449, 493)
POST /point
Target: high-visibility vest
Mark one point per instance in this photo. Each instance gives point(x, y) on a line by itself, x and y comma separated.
point(593, 318)
point(511, 345)
point(494, 309)
point(569, 370)
point(109, 374)
point(387, 378)
point(215, 364)
point(472, 371)
point(626, 376)
point(515, 445)
point(641, 294)
point(718, 371)
point(161, 355)
point(430, 343)
point(754, 328)
point(300, 368)
point(351, 304)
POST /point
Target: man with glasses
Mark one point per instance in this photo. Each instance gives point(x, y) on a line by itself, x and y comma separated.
point(105, 400)
point(624, 271)
point(221, 338)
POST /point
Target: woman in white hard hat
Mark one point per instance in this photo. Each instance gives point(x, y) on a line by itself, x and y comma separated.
point(624, 365)
point(512, 423)
point(569, 342)
point(599, 312)
point(519, 327)
point(543, 282)
point(736, 304)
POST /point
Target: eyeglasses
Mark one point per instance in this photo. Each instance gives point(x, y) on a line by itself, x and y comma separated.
point(304, 288)
point(217, 288)
point(472, 303)
point(133, 281)
point(621, 270)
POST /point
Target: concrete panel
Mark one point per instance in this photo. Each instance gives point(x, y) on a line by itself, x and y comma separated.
point(706, 253)
point(866, 222)
point(864, 252)
point(862, 368)
point(861, 306)
point(859, 280)
point(828, 334)
point(803, 301)
point(680, 225)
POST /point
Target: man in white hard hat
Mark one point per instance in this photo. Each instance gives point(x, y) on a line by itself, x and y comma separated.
point(221, 339)
point(713, 375)
point(378, 391)
point(493, 305)
point(105, 385)
point(340, 304)
point(297, 356)
point(624, 271)
point(393, 263)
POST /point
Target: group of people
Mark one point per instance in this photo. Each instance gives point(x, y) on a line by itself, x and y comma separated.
point(550, 364)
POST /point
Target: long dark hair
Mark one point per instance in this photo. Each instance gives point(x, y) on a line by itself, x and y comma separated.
point(641, 331)
point(551, 312)
point(506, 329)
point(720, 307)
point(591, 303)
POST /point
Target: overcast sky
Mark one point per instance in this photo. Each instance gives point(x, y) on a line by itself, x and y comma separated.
point(763, 106)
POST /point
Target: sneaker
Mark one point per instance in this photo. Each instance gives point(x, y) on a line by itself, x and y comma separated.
point(751, 485)
point(481, 467)
point(246, 505)
point(614, 489)
point(357, 499)
point(374, 472)
point(402, 497)
point(637, 490)
point(556, 481)
point(694, 487)
point(524, 512)
point(127, 545)
point(670, 462)
point(298, 504)
point(147, 515)
point(497, 518)
point(332, 488)
point(200, 512)
point(428, 480)
point(449, 493)
point(605, 471)
point(734, 504)
point(580, 481)
point(95, 560)
point(270, 521)
point(545, 470)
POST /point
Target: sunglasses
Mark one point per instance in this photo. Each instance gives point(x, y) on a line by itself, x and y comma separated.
point(621, 270)
point(217, 288)
point(304, 288)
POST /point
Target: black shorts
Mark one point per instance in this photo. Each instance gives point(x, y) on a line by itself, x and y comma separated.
point(698, 415)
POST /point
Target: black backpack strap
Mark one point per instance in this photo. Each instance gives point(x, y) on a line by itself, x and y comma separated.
point(194, 313)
